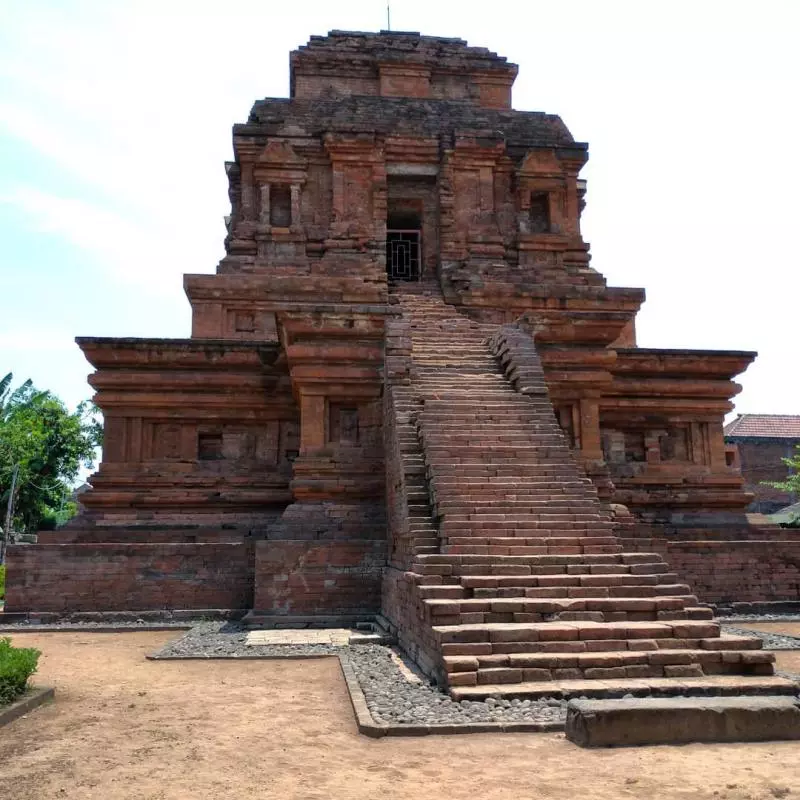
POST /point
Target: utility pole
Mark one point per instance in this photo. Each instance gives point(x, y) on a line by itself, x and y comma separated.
point(388, 17)
point(9, 514)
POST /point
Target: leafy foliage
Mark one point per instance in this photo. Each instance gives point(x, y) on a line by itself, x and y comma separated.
point(791, 484)
point(49, 444)
point(17, 664)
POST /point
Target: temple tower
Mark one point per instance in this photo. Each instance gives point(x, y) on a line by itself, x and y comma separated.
point(256, 465)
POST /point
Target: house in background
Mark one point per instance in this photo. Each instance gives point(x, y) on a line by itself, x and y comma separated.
point(757, 443)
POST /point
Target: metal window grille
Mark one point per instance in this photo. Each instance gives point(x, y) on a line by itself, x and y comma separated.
point(403, 255)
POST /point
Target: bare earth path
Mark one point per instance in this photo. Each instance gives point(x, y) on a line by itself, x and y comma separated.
point(122, 727)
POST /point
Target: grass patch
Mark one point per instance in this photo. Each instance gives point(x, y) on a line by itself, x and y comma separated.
point(17, 664)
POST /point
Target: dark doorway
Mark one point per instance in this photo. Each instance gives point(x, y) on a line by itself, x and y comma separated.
point(403, 235)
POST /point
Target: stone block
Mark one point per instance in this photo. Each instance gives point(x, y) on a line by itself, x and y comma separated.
point(680, 720)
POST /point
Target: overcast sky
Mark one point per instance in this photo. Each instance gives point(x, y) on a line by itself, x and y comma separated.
point(115, 121)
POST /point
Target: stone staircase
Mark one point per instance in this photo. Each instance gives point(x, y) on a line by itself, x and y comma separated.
point(521, 584)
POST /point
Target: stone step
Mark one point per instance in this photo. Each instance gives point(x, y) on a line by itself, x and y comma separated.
point(548, 584)
point(545, 445)
point(475, 611)
point(522, 529)
point(680, 591)
point(532, 550)
point(465, 571)
point(722, 642)
point(441, 592)
point(709, 685)
point(517, 514)
point(519, 467)
point(492, 486)
point(536, 492)
point(468, 506)
point(694, 611)
point(501, 423)
point(508, 468)
point(525, 541)
point(547, 576)
point(521, 632)
point(604, 665)
point(628, 559)
point(538, 605)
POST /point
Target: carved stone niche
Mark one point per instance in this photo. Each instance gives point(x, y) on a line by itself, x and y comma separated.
point(280, 174)
point(358, 185)
point(541, 200)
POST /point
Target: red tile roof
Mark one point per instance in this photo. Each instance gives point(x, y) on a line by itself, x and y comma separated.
point(770, 426)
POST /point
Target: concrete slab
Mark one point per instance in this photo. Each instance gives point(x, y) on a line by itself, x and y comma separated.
point(680, 720)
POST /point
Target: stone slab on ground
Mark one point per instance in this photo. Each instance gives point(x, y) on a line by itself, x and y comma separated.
point(681, 720)
point(338, 637)
point(33, 698)
point(706, 686)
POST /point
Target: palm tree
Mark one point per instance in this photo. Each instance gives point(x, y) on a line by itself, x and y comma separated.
point(10, 398)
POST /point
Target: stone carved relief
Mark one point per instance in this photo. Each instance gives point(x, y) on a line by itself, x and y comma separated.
point(343, 424)
point(166, 441)
point(280, 154)
point(647, 446)
point(467, 195)
point(270, 444)
point(674, 445)
point(357, 195)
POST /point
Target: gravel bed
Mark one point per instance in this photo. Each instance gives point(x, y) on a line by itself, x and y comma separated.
point(391, 696)
point(393, 699)
point(227, 640)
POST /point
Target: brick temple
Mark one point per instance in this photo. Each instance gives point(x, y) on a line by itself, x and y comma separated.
point(408, 393)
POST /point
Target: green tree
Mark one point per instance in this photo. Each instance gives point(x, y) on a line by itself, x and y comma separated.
point(45, 445)
point(792, 482)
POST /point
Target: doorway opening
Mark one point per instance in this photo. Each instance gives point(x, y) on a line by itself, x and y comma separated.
point(403, 246)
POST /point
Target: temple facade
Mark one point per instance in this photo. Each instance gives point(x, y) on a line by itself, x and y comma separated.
point(404, 377)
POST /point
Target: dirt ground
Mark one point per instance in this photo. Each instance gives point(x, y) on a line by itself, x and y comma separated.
point(787, 628)
point(123, 727)
point(788, 661)
point(785, 660)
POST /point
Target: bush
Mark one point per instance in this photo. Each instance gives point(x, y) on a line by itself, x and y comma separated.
point(17, 664)
point(2, 581)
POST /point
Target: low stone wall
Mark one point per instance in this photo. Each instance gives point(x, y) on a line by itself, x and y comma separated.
point(322, 558)
point(725, 569)
point(128, 577)
point(403, 609)
point(738, 571)
point(298, 577)
point(141, 535)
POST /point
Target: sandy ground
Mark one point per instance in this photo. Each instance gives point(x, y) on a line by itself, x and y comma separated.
point(786, 660)
point(788, 628)
point(122, 727)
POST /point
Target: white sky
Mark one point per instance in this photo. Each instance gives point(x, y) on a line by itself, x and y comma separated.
point(115, 121)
